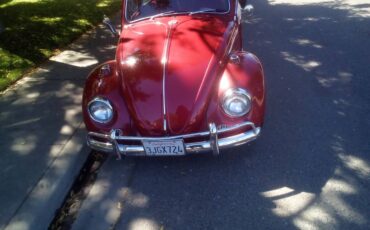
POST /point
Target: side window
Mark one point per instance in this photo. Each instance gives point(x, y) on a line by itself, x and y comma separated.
point(132, 7)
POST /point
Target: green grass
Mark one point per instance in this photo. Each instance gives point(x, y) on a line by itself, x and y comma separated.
point(31, 30)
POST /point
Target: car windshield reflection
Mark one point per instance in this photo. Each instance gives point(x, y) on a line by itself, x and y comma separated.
point(140, 9)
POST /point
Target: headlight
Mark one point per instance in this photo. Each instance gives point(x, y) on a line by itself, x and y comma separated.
point(236, 102)
point(100, 110)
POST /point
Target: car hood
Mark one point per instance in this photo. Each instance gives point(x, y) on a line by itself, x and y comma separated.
point(169, 69)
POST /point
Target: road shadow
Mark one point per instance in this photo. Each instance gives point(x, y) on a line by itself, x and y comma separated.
point(39, 115)
point(310, 168)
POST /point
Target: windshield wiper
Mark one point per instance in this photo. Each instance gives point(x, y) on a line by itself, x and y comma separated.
point(162, 14)
point(205, 11)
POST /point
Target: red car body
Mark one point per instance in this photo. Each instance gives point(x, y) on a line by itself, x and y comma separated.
point(167, 82)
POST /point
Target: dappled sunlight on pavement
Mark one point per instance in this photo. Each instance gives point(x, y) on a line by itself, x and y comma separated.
point(104, 204)
point(300, 61)
point(310, 168)
point(316, 66)
point(357, 8)
point(74, 58)
point(311, 211)
point(287, 201)
point(143, 224)
point(42, 134)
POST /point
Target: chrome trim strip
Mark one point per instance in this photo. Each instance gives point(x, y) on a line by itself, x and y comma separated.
point(164, 63)
point(165, 55)
point(236, 10)
point(234, 34)
point(214, 143)
point(164, 60)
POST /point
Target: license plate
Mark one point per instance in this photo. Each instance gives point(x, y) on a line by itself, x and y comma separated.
point(164, 148)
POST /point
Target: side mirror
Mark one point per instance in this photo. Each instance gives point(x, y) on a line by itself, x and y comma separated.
point(110, 26)
point(249, 9)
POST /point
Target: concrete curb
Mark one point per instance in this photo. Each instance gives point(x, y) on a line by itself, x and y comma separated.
point(42, 134)
point(39, 208)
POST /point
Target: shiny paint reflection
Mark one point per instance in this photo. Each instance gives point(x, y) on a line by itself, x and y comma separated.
point(168, 75)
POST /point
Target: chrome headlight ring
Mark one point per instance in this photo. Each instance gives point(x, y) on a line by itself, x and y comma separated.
point(236, 102)
point(100, 110)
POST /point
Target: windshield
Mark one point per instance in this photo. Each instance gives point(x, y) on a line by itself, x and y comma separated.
point(138, 9)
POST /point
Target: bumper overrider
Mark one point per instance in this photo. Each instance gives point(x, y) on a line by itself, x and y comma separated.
point(212, 143)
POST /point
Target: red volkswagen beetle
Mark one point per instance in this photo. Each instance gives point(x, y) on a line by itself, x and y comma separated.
point(180, 82)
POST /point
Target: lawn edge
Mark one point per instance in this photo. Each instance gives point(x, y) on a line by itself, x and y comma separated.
point(28, 71)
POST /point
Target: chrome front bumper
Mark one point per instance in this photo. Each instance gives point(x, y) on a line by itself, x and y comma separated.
point(213, 142)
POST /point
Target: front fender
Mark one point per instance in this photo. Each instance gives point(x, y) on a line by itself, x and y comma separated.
point(246, 72)
point(104, 82)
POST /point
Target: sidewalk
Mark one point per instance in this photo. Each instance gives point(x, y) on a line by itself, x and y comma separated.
point(42, 137)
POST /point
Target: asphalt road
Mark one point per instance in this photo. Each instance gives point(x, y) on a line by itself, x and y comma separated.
point(309, 170)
